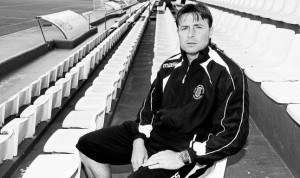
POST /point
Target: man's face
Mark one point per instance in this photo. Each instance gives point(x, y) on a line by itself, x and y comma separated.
point(193, 35)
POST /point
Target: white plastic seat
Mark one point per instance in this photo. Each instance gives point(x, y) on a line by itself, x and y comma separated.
point(37, 112)
point(64, 140)
point(90, 103)
point(122, 60)
point(277, 49)
point(247, 40)
point(215, 171)
point(107, 81)
point(79, 68)
point(65, 83)
point(66, 64)
point(288, 8)
point(288, 71)
point(52, 74)
point(282, 92)
point(73, 75)
point(45, 80)
point(11, 106)
point(106, 91)
point(6, 140)
point(294, 111)
point(1, 114)
point(92, 120)
point(294, 16)
point(45, 113)
point(60, 69)
point(54, 165)
point(20, 127)
point(55, 97)
point(24, 97)
point(35, 88)
point(277, 7)
point(116, 71)
point(84, 69)
point(259, 46)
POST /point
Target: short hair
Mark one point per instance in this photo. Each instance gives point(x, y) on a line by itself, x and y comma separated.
point(197, 10)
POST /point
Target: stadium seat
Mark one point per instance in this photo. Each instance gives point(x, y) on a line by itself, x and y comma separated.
point(83, 70)
point(45, 80)
point(90, 103)
point(119, 61)
point(107, 81)
point(1, 114)
point(236, 34)
point(277, 49)
point(71, 61)
point(259, 46)
point(282, 92)
point(73, 75)
point(54, 165)
point(294, 16)
point(294, 111)
point(246, 40)
point(119, 67)
point(92, 120)
point(66, 64)
point(101, 91)
point(79, 68)
point(35, 88)
point(20, 127)
point(64, 140)
point(215, 171)
point(114, 70)
point(276, 8)
point(55, 97)
point(60, 70)
point(6, 150)
point(37, 112)
point(288, 71)
point(65, 83)
point(11, 106)
point(288, 8)
point(53, 74)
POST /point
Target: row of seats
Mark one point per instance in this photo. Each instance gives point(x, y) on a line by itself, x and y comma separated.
point(166, 45)
point(267, 54)
point(166, 42)
point(89, 112)
point(63, 77)
point(287, 11)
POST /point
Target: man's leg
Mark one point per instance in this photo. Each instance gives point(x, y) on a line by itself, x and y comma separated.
point(101, 148)
point(94, 169)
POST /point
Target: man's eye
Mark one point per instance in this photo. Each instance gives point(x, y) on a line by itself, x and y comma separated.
point(183, 28)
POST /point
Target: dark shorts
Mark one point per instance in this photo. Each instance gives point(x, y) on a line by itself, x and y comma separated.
point(113, 145)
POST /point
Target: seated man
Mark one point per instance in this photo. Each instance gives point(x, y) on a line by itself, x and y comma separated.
point(196, 112)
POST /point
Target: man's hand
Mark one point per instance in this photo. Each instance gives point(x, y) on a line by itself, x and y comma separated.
point(164, 160)
point(139, 154)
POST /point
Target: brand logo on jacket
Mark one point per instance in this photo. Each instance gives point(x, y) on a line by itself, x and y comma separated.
point(198, 92)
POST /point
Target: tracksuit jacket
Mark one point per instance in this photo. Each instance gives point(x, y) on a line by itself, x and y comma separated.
point(201, 107)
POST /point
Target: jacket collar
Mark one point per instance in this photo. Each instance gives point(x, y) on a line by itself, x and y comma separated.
point(202, 57)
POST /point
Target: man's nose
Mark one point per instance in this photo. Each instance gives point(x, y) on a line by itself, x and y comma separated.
point(191, 32)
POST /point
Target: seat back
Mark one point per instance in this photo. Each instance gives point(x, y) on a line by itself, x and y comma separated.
point(24, 97)
point(6, 143)
point(11, 106)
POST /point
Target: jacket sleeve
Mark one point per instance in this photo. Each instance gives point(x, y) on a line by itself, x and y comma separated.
point(231, 118)
point(147, 113)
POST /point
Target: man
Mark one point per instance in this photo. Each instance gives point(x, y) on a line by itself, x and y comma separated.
point(196, 112)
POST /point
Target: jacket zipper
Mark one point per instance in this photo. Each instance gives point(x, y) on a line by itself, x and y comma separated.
point(183, 80)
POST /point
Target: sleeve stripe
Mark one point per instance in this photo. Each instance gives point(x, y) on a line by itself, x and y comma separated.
point(242, 116)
